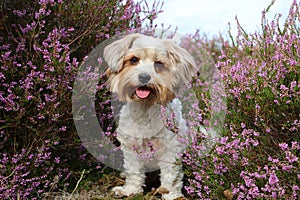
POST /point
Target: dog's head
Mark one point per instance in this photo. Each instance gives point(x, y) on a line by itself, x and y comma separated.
point(147, 69)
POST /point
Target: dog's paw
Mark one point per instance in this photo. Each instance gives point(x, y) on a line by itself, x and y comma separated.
point(122, 191)
point(172, 196)
point(119, 191)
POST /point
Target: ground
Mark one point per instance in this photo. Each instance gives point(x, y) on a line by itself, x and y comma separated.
point(100, 189)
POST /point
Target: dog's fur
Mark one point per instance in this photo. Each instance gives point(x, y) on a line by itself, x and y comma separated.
point(146, 73)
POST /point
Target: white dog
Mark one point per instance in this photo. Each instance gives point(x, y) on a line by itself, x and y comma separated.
point(146, 73)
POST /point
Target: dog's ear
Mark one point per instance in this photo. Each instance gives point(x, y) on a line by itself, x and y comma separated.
point(108, 72)
point(185, 65)
point(114, 52)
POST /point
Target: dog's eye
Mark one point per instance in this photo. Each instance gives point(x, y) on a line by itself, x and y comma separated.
point(134, 60)
point(159, 66)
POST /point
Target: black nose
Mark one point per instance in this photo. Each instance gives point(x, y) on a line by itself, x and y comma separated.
point(144, 77)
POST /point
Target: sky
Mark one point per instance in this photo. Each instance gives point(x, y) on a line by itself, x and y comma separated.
point(212, 16)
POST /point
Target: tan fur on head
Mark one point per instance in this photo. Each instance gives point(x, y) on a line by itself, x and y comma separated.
point(166, 65)
point(186, 67)
point(114, 52)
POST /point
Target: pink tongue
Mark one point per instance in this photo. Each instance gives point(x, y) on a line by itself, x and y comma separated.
point(142, 92)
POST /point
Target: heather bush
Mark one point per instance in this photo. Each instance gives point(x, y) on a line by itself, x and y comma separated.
point(42, 45)
point(257, 156)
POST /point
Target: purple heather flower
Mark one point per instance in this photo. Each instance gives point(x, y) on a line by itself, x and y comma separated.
point(283, 146)
point(273, 179)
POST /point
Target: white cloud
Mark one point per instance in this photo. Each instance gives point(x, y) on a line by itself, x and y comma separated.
point(212, 16)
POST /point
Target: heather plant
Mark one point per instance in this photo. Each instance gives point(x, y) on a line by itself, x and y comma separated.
point(257, 156)
point(42, 45)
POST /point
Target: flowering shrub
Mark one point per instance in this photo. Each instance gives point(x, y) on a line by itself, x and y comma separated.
point(258, 153)
point(27, 173)
point(42, 45)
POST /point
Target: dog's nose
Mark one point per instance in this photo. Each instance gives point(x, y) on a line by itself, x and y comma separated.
point(144, 77)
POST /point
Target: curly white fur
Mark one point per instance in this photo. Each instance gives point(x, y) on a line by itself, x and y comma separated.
point(137, 128)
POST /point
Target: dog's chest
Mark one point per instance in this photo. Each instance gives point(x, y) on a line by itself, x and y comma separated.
point(141, 123)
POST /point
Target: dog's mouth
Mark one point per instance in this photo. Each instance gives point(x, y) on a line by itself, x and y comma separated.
point(143, 92)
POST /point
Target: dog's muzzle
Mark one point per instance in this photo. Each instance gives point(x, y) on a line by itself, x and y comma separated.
point(143, 91)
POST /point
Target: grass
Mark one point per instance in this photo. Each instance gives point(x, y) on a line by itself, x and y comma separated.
point(97, 186)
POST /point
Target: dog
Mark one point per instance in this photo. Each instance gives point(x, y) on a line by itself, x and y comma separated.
point(147, 73)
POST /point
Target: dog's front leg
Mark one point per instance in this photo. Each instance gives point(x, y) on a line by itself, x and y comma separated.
point(134, 177)
point(171, 181)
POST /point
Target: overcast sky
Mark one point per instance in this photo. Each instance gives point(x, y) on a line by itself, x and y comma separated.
point(212, 16)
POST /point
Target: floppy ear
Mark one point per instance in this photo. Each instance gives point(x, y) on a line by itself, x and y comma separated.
point(108, 72)
point(114, 52)
point(185, 66)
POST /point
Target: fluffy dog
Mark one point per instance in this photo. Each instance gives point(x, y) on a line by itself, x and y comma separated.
point(147, 73)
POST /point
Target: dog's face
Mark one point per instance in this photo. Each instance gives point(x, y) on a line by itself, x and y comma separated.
point(146, 69)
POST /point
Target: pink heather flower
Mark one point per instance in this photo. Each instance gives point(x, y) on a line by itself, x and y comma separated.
point(293, 85)
point(223, 140)
point(273, 179)
point(257, 107)
point(295, 188)
point(243, 125)
point(6, 55)
point(287, 168)
point(29, 97)
point(20, 13)
point(283, 146)
point(256, 134)
point(274, 194)
point(100, 61)
point(63, 128)
point(295, 145)
point(189, 189)
point(270, 159)
point(57, 160)
point(71, 29)
point(197, 176)
point(291, 157)
point(283, 87)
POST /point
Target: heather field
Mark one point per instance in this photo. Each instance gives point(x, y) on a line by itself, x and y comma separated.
point(256, 112)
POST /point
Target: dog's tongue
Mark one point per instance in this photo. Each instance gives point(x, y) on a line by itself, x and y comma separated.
point(142, 92)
